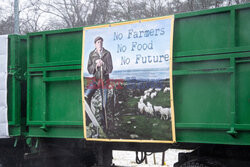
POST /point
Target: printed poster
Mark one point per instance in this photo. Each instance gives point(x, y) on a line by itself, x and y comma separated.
point(127, 81)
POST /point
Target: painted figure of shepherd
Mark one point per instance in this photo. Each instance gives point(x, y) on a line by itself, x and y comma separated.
point(100, 66)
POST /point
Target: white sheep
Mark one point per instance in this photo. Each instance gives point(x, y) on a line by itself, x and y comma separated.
point(141, 99)
point(165, 113)
point(157, 89)
point(149, 104)
point(153, 95)
point(157, 108)
point(141, 107)
point(148, 91)
point(149, 110)
point(133, 136)
point(166, 89)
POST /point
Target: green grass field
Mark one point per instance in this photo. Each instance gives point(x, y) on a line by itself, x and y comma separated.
point(125, 120)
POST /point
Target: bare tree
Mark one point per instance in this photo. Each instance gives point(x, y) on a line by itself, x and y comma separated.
point(7, 25)
point(100, 12)
point(240, 1)
point(130, 10)
point(74, 13)
point(30, 23)
point(122, 10)
point(156, 8)
point(6, 20)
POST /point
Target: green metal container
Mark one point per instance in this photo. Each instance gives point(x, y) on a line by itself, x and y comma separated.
point(54, 105)
point(212, 76)
point(16, 83)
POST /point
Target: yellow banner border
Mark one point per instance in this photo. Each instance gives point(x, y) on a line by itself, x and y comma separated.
point(171, 83)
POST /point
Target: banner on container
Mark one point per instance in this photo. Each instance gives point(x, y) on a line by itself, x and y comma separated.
point(127, 81)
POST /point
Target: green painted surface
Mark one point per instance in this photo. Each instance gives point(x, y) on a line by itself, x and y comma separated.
point(16, 68)
point(58, 132)
point(64, 101)
point(201, 33)
point(54, 86)
point(212, 137)
point(205, 99)
point(242, 27)
point(212, 76)
point(54, 101)
point(214, 31)
point(35, 98)
point(68, 45)
point(35, 50)
point(58, 48)
point(243, 92)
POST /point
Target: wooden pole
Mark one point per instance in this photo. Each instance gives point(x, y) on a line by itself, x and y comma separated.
point(103, 101)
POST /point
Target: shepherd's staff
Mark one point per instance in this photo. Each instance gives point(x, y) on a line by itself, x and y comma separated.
point(103, 96)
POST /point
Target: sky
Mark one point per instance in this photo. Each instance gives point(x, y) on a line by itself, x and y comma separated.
point(5, 4)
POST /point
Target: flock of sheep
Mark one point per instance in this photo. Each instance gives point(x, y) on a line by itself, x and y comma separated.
point(151, 110)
